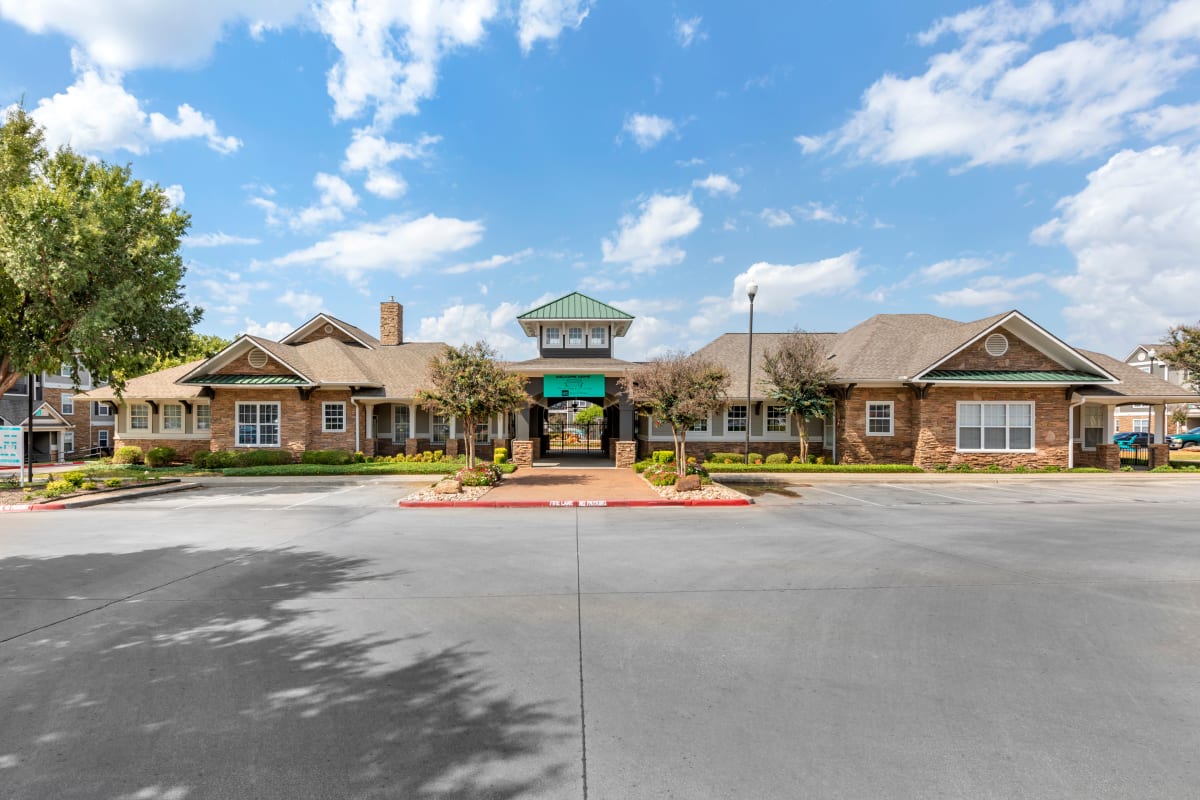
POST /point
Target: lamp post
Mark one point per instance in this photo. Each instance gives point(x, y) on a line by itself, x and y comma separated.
point(751, 290)
point(1151, 353)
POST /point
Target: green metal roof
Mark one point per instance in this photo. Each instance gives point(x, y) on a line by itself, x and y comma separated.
point(575, 306)
point(249, 380)
point(1014, 376)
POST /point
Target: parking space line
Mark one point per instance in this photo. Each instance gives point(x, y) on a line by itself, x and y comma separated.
point(934, 494)
point(322, 495)
point(849, 497)
point(224, 497)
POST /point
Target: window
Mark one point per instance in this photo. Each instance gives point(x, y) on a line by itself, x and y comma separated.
point(401, 432)
point(481, 433)
point(203, 418)
point(68, 442)
point(441, 428)
point(65, 370)
point(599, 337)
point(333, 417)
point(172, 417)
point(1141, 426)
point(554, 337)
point(1093, 426)
point(776, 419)
point(995, 426)
point(879, 418)
point(102, 438)
point(735, 419)
point(68, 404)
point(101, 409)
point(258, 424)
point(139, 417)
point(574, 337)
point(699, 426)
point(814, 429)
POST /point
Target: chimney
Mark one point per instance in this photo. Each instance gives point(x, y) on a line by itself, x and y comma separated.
point(391, 322)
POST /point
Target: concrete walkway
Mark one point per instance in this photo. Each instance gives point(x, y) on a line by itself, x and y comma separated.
point(543, 484)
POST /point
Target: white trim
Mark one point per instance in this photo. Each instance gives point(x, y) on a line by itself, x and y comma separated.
point(603, 338)
point(325, 417)
point(582, 337)
point(981, 403)
point(63, 400)
point(767, 419)
point(555, 343)
point(149, 416)
point(329, 321)
point(196, 417)
point(729, 408)
point(227, 355)
point(237, 423)
point(103, 438)
point(891, 404)
point(162, 411)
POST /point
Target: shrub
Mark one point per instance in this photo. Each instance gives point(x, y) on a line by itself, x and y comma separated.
point(1052, 468)
point(1020, 468)
point(500, 455)
point(756, 458)
point(993, 468)
point(222, 459)
point(660, 475)
point(128, 454)
point(113, 482)
point(437, 455)
point(160, 456)
point(483, 474)
point(328, 457)
point(663, 456)
point(58, 488)
point(941, 467)
point(88, 485)
point(74, 477)
point(777, 458)
point(262, 458)
point(726, 458)
point(961, 467)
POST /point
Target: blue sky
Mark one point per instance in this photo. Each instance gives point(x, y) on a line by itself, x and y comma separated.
point(477, 158)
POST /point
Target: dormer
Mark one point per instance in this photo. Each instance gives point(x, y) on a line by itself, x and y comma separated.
point(575, 326)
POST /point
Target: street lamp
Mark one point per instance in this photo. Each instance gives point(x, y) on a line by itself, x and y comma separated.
point(751, 290)
point(1151, 353)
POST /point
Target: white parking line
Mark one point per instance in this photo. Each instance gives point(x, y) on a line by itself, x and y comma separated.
point(848, 496)
point(934, 494)
point(322, 496)
point(223, 497)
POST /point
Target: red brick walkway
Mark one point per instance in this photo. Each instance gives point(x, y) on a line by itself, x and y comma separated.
point(547, 484)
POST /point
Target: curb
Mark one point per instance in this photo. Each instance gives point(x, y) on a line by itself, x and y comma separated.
point(13, 509)
point(573, 503)
point(98, 500)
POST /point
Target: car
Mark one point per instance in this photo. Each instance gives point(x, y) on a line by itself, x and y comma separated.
point(1133, 438)
point(1189, 439)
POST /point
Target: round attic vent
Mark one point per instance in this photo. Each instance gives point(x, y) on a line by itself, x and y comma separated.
point(257, 359)
point(329, 329)
point(996, 345)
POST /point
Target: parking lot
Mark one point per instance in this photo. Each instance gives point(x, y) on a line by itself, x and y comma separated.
point(961, 638)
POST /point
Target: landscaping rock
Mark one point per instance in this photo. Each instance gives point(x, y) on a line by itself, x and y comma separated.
point(688, 483)
point(448, 486)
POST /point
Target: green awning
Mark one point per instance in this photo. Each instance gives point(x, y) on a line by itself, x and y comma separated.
point(249, 380)
point(1013, 376)
point(575, 306)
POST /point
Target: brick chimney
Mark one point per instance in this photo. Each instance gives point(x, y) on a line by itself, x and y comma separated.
point(391, 322)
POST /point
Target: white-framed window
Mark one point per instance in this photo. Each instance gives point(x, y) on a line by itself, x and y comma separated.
point(481, 433)
point(203, 417)
point(574, 337)
point(1092, 423)
point(880, 418)
point(172, 417)
point(102, 438)
point(65, 371)
point(735, 419)
point(101, 409)
point(258, 424)
point(68, 404)
point(553, 336)
point(440, 429)
point(995, 426)
point(333, 417)
point(68, 442)
point(776, 419)
point(699, 426)
point(139, 417)
point(1141, 426)
point(599, 337)
point(401, 432)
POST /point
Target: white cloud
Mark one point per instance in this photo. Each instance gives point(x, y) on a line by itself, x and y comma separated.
point(97, 115)
point(811, 144)
point(468, 323)
point(648, 130)
point(952, 268)
point(227, 293)
point(269, 330)
point(175, 194)
point(971, 296)
point(648, 241)
point(302, 304)
point(688, 31)
point(1166, 120)
point(217, 239)
point(495, 261)
point(546, 19)
point(776, 217)
point(128, 34)
point(370, 153)
point(335, 197)
point(401, 245)
point(390, 51)
point(998, 98)
point(691, 162)
point(717, 184)
point(818, 212)
point(1134, 231)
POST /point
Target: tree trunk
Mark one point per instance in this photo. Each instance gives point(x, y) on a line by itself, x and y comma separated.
point(804, 440)
point(469, 441)
point(681, 454)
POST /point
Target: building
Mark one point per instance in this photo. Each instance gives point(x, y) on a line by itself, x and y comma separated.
point(65, 424)
point(1140, 417)
point(909, 388)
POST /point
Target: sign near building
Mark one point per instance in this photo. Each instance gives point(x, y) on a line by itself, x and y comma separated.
point(12, 451)
point(573, 386)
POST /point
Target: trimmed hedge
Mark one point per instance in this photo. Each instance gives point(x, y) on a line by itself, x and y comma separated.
point(739, 467)
point(160, 456)
point(327, 457)
point(129, 454)
point(369, 468)
point(225, 459)
point(778, 458)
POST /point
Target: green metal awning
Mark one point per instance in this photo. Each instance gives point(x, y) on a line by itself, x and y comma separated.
point(575, 306)
point(1013, 376)
point(249, 380)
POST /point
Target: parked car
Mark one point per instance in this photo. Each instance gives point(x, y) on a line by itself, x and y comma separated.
point(1134, 439)
point(1189, 439)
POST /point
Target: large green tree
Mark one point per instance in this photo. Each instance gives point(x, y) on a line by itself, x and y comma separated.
point(1181, 349)
point(797, 378)
point(677, 390)
point(467, 383)
point(199, 345)
point(90, 270)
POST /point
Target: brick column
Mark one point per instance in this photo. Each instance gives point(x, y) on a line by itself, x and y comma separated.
point(1108, 456)
point(1159, 454)
point(451, 448)
point(411, 447)
point(522, 452)
point(626, 454)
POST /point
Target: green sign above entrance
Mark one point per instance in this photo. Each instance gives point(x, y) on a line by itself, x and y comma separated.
point(573, 386)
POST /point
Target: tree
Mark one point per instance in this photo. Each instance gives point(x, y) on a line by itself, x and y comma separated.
point(588, 415)
point(470, 385)
point(798, 376)
point(199, 345)
point(1181, 350)
point(679, 390)
point(90, 269)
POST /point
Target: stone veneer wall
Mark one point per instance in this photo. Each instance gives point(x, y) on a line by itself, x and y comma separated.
point(522, 452)
point(1105, 456)
point(300, 421)
point(855, 447)
point(626, 454)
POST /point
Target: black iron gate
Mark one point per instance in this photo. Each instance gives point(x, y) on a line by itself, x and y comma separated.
point(574, 438)
point(1134, 456)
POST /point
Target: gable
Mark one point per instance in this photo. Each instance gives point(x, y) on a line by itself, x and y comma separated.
point(1019, 355)
point(249, 362)
point(323, 326)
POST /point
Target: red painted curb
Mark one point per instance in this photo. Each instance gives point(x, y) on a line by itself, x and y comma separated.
point(570, 503)
point(32, 507)
point(48, 464)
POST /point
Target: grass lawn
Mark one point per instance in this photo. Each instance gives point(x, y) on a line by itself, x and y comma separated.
point(1191, 456)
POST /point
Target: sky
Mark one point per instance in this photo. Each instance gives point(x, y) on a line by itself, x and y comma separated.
point(477, 158)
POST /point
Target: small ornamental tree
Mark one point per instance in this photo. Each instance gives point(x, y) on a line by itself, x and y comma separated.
point(588, 415)
point(467, 383)
point(798, 376)
point(677, 390)
point(1181, 350)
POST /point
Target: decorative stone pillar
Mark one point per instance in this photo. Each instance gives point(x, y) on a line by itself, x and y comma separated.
point(411, 447)
point(451, 448)
point(1159, 454)
point(1108, 456)
point(626, 454)
point(522, 452)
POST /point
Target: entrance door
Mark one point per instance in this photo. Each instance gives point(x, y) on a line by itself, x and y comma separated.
point(570, 430)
